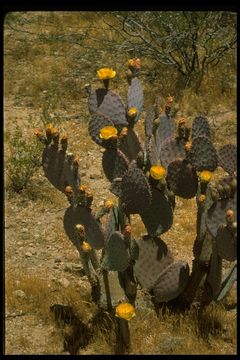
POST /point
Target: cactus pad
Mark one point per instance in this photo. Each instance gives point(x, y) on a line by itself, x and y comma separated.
point(58, 169)
point(216, 215)
point(202, 154)
point(96, 123)
point(130, 145)
point(81, 215)
point(227, 283)
point(182, 179)
point(226, 244)
point(136, 192)
point(116, 187)
point(153, 257)
point(158, 217)
point(152, 152)
point(148, 124)
point(135, 96)
point(171, 150)
point(116, 256)
point(108, 103)
point(200, 127)
point(171, 282)
point(164, 131)
point(114, 164)
point(227, 158)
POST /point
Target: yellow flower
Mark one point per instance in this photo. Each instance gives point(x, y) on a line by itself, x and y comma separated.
point(157, 172)
point(82, 188)
point(106, 73)
point(205, 175)
point(86, 246)
point(134, 63)
point(107, 132)
point(48, 129)
point(125, 311)
point(124, 131)
point(109, 204)
point(132, 112)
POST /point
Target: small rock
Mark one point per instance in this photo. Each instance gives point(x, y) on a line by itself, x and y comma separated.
point(19, 243)
point(64, 282)
point(24, 230)
point(20, 294)
point(28, 254)
point(57, 260)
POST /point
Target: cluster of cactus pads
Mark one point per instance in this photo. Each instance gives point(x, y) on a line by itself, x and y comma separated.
point(174, 160)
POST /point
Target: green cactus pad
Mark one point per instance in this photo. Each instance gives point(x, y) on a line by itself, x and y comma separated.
point(148, 123)
point(164, 131)
point(202, 154)
point(130, 145)
point(114, 163)
point(96, 123)
point(58, 170)
point(135, 96)
point(108, 103)
point(153, 257)
point(216, 215)
point(226, 244)
point(171, 150)
point(152, 152)
point(158, 217)
point(116, 256)
point(227, 158)
point(214, 276)
point(136, 192)
point(81, 215)
point(182, 179)
point(201, 127)
point(110, 223)
point(171, 282)
point(116, 187)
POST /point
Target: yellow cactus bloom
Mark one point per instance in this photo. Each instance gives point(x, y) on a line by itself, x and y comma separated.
point(109, 204)
point(108, 132)
point(205, 175)
point(157, 172)
point(54, 131)
point(201, 198)
point(124, 131)
point(38, 132)
point(134, 63)
point(49, 128)
point(132, 112)
point(230, 216)
point(68, 190)
point(188, 146)
point(80, 228)
point(106, 73)
point(86, 247)
point(125, 311)
point(82, 188)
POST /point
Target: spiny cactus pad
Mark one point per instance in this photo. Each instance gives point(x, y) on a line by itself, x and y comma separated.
point(96, 123)
point(80, 215)
point(171, 282)
point(116, 254)
point(136, 193)
point(216, 215)
point(148, 123)
point(227, 158)
point(58, 169)
point(182, 179)
point(202, 154)
point(164, 131)
point(201, 127)
point(152, 152)
point(226, 244)
point(171, 150)
point(158, 217)
point(130, 145)
point(214, 276)
point(114, 164)
point(135, 96)
point(153, 257)
point(108, 103)
point(116, 187)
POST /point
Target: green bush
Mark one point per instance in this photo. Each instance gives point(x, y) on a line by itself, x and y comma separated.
point(24, 159)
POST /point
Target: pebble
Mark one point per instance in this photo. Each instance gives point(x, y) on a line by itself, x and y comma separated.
point(28, 254)
point(64, 282)
point(20, 294)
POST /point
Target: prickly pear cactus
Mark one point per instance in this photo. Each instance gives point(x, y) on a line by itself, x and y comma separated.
point(116, 255)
